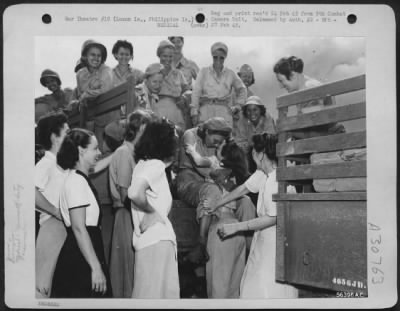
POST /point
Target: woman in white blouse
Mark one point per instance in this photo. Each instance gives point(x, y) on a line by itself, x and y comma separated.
point(81, 271)
point(154, 240)
point(258, 280)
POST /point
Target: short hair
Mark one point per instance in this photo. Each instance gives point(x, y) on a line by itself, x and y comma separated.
point(49, 124)
point(266, 143)
point(263, 110)
point(235, 159)
point(286, 65)
point(135, 120)
point(158, 141)
point(122, 44)
point(68, 155)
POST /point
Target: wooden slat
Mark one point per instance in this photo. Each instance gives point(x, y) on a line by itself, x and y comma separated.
point(343, 113)
point(281, 229)
point(334, 170)
point(328, 89)
point(111, 105)
point(322, 144)
point(332, 196)
point(114, 92)
point(131, 98)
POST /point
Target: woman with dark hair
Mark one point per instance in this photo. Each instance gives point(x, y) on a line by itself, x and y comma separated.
point(123, 53)
point(120, 176)
point(289, 73)
point(49, 179)
point(174, 88)
point(258, 279)
point(154, 240)
point(255, 120)
point(212, 92)
point(81, 271)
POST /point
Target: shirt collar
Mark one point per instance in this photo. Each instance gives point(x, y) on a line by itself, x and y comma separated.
point(130, 146)
point(50, 155)
point(211, 68)
point(183, 61)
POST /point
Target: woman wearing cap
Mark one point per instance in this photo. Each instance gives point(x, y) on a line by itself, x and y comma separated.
point(188, 67)
point(194, 186)
point(258, 279)
point(154, 240)
point(147, 92)
point(95, 78)
point(81, 271)
point(123, 53)
point(212, 91)
point(289, 74)
point(174, 89)
point(120, 177)
point(246, 74)
point(59, 98)
point(255, 120)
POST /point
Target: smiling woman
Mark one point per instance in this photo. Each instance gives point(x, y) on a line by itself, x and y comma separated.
point(81, 271)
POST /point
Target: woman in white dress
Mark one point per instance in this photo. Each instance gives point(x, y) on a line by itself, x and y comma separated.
point(154, 240)
point(258, 279)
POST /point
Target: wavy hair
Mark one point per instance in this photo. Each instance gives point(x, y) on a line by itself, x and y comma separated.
point(68, 155)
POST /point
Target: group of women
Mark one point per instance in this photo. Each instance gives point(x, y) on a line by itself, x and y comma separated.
point(173, 95)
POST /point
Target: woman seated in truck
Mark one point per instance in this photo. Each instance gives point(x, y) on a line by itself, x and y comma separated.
point(174, 88)
point(246, 74)
point(154, 240)
point(59, 98)
point(194, 184)
point(147, 92)
point(95, 77)
point(289, 73)
point(258, 280)
point(255, 120)
point(123, 53)
point(212, 91)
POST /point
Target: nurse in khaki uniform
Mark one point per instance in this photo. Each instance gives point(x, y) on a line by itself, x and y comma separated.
point(212, 91)
point(174, 89)
point(147, 92)
point(255, 120)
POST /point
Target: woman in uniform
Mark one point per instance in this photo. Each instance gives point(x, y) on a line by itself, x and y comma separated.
point(174, 88)
point(212, 91)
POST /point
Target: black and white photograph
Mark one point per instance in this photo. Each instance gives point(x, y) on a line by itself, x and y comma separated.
point(215, 168)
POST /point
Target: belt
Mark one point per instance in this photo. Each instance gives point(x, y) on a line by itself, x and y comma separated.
point(214, 101)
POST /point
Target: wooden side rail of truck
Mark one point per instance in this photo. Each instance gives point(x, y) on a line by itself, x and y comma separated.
point(321, 237)
point(183, 217)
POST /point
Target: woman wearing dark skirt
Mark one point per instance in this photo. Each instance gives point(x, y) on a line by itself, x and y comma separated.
point(81, 271)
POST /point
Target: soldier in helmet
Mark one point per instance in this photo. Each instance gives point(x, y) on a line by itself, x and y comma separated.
point(57, 100)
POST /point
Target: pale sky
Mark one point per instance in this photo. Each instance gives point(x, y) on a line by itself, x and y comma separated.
point(325, 59)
